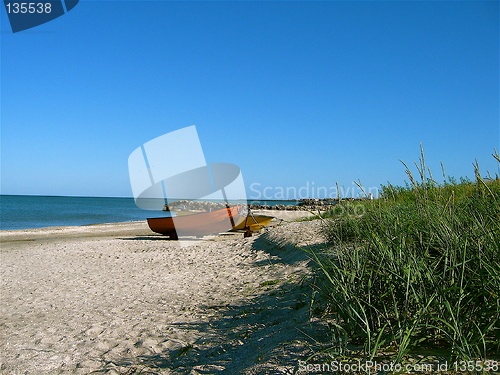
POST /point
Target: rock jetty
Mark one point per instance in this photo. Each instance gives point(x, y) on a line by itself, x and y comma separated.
point(304, 205)
point(188, 205)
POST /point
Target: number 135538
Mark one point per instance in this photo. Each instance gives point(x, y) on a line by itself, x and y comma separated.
point(28, 7)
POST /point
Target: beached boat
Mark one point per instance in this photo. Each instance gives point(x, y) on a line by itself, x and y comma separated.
point(198, 224)
point(254, 222)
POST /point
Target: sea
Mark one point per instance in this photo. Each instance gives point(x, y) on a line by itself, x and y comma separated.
point(36, 211)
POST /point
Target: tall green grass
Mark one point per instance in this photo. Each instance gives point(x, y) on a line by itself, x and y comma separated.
point(418, 270)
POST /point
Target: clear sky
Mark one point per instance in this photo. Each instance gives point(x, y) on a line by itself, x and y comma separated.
point(297, 94)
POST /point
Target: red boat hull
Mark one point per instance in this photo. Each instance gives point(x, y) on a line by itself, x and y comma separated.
point(196, 225)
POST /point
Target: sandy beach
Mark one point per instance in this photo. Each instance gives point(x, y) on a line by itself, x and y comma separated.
point(120, 299)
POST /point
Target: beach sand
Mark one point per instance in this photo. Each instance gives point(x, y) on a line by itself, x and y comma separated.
point(120, 299)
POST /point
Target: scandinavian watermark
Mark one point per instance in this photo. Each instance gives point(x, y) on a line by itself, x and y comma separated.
point(171, 168)
point(307, 191)
point(24, 15)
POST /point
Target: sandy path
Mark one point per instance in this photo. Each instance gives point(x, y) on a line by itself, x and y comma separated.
point(123, 300)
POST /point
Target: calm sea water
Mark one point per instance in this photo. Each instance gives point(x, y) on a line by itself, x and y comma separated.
point(33, 211)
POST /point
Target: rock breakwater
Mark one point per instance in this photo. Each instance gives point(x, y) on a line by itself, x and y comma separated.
point(188, 205)
point(206, 206)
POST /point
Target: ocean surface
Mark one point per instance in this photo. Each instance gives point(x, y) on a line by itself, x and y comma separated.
point(34, 211)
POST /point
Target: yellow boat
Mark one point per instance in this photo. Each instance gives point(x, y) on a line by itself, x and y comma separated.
point(254, 222)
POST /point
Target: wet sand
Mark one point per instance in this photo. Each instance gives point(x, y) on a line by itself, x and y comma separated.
point(118, 298)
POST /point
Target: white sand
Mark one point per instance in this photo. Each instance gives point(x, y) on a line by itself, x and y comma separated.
point(119, 299)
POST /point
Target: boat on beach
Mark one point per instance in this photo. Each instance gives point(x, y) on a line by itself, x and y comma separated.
point(189, 223)
point(254, 222)
point(199, 224)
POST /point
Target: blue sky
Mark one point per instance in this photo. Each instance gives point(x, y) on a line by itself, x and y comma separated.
point(297, 94)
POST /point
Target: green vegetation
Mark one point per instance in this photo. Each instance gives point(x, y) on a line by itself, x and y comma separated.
point(416, 271)
point(269, 282)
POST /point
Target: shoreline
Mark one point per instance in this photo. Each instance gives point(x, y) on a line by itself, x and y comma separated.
point(116, 298)
point(91, 230)
point(114, 229)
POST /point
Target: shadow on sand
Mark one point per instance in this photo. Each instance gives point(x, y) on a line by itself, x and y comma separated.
point(267, 334)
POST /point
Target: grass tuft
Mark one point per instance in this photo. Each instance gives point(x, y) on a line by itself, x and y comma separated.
point(418, 269)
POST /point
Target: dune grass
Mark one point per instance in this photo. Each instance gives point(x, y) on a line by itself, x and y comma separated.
point(417, 270)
